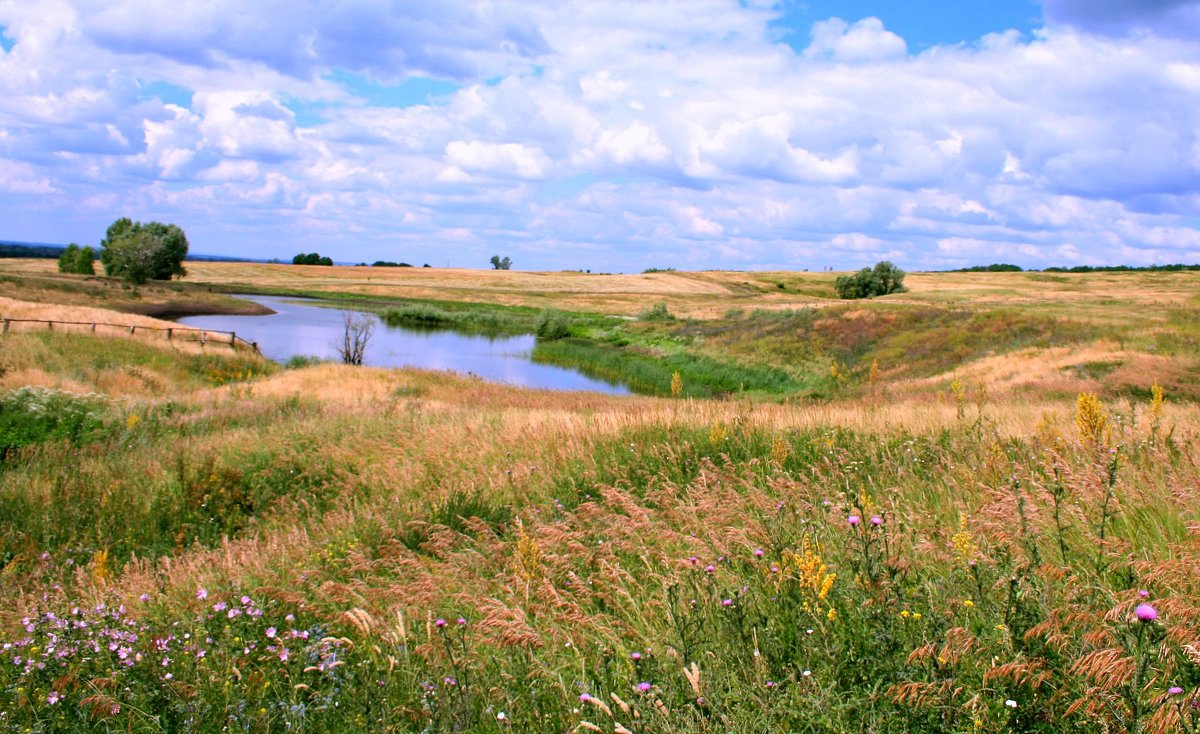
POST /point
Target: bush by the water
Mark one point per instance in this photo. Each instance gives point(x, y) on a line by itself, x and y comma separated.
point(553, 325)
point(883, 279)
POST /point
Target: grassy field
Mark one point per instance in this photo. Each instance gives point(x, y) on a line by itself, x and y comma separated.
point(993, 530)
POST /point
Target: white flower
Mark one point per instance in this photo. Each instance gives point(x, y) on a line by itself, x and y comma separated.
point(1010, 703)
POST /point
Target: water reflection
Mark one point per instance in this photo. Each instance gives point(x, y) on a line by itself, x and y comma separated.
point(301, 329)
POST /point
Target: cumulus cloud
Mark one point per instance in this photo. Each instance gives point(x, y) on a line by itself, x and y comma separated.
point(865, 40)
point(631, 133)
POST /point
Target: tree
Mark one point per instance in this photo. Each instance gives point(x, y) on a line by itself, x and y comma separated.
point(76, 259)
point(881, 280)
point(312, 258)
point(501, 263)
point(141, 252)
point(356, 333)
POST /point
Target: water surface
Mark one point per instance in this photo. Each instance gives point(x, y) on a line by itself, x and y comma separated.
point(299, 328)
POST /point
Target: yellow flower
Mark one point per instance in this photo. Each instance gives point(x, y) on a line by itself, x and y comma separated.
point(968, 603)
point(905, 614)
point(832, 614)
point(916, 615)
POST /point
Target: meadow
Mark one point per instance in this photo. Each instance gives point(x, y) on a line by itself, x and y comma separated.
point(973, 507)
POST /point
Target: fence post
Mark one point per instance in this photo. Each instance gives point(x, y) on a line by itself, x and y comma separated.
point(51, 325)
point(233, 340)
point(132, 328)
point(93, 327)
point(5, 326)
point(202, 337)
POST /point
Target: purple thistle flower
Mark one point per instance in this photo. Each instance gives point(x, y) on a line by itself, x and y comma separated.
point(1146, 613)
point(854, 520)
point(1174, 691)
point(758, 552)
point(644, 686)
point(202, 594)
point(876, 520)
point(440, 622)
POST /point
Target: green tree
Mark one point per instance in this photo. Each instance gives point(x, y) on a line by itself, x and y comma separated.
point(85, 261)
point(881, 280)
point(501, 263)
point(66, 261)
point(311, 258)
point(141, 252)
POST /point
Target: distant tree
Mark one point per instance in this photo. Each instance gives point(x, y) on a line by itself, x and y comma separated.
point(311, 258)
point(501, 263)
point(76, 259)
point(141, 252)
point(881, 280)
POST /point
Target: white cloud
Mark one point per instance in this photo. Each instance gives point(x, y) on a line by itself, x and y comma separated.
point(505, 159)
point(865, 40)
point(631, 131)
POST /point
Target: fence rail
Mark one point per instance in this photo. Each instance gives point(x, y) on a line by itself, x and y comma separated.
point(173, 333)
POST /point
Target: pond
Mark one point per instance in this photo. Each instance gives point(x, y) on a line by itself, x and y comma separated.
point(300, 329)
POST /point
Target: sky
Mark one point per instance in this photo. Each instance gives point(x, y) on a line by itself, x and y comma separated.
point(611, 135)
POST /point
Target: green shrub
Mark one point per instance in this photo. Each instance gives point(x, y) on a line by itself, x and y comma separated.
point(553, 325)
point(657, 312)
point(883, 279)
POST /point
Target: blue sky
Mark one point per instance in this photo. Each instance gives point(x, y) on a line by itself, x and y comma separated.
point(615, 135)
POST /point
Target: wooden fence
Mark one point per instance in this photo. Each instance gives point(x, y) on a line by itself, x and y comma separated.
point(173, 333)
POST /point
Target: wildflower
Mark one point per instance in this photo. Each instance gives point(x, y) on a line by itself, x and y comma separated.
point(635, 655)
point(854, 520)
point(144, 598)
point(709, 568)
point(202, 594)
point(876, 520)
point(1143, 593)
point(644, 686)
point(53, 697)
point(1010, 703)
point(462, 620)
point(807, 674)
point(449, 681)
point(727, 602)
point(271, 632)
point(758, 552)
point(1174, 691)
point(500, 716)
point(441, 622)
point(1146, 613)
point(968, 603)
point(585, 697)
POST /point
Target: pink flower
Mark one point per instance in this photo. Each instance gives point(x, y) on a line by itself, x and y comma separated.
point(440, 622)
point(1144, 594)
point(202, 594)
point(584, 697)
point(727, 602)
point(644, 686)
point(758, 552)
point(1146, 613)
point(53, 697)
point(635, 655)
point(271, 631)
point(876, 520)
point(709, 568)
point(854, 520)
point(462, 620)
point(1174, 691)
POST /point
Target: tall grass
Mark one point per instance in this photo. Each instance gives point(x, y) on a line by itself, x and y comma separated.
point(651, 375)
